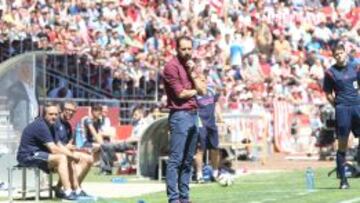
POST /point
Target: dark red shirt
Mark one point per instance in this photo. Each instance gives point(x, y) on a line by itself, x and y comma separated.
point(176, 80)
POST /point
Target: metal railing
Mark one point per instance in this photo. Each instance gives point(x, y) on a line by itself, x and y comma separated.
point(11, 48)
point(99, 78)
point(78, 89)
point(126, 107)
point(81, 70)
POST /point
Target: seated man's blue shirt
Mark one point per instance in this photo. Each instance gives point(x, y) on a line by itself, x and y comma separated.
point(34, 138)
point(206, 107)
point(87, 122)
point(63, 131)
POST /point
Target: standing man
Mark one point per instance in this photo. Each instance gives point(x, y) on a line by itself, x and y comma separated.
point(182, 84)
point(40, 147)
point(341, 85)
point(208, 131)
point(64, 133)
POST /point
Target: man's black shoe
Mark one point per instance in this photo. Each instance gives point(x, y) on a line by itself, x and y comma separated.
point(83, 194)
point(58, 192)
point(344, 185)
point(71, 197)
point(105, 173)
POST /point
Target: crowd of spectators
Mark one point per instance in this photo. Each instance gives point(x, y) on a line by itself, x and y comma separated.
point(253, 50)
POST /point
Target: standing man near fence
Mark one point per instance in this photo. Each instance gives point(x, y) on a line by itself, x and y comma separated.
point(341, 85)
point(182, 84)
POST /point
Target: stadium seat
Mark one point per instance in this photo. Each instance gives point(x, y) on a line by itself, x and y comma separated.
point(123, 132)
point(24, 185)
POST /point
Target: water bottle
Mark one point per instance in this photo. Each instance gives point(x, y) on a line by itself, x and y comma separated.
point(85, 200)
point(310, 182)
point(347, 171)
point(79, 139)
point(89, 199)
point(118, 180)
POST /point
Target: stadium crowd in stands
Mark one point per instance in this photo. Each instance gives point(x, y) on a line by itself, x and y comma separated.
point(251, 49)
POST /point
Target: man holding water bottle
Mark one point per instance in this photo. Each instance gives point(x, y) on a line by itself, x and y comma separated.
point(341, 85)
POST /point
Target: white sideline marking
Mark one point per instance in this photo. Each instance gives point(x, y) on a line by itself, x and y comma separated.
point(287, 196)
point(269, 200)
point(295, 192)
point(351, 200)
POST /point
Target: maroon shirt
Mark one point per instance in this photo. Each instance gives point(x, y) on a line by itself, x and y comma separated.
point(176, 80)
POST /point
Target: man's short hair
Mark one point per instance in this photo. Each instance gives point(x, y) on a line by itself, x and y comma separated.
point(338, 46)
point(183, 37)
point(96, 107)
point(46, 105)
point(137, 108)
point(62, 104)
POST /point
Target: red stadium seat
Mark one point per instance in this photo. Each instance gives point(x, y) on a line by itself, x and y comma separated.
point(123, 132)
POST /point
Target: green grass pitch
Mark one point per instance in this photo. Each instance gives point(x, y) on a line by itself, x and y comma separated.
point(279, 187)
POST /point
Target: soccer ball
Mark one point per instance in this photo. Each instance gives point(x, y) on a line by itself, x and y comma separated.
point(226, 179)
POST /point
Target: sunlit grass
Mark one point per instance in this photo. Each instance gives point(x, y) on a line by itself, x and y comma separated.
point(286, 187)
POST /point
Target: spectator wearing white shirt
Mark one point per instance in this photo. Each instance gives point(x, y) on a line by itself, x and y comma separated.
point(138, 122)
point(105, 122)
point(317, 70)
point(296, 33)
point(109, 10)
point(345, 5)
point(322, 32)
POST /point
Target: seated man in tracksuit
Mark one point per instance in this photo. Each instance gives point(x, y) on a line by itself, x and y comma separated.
point(40, 147)
point(64, 133)
point(100, 143)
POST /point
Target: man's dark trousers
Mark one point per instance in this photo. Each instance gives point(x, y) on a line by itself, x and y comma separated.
point(108, 154)
point(183, 140)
